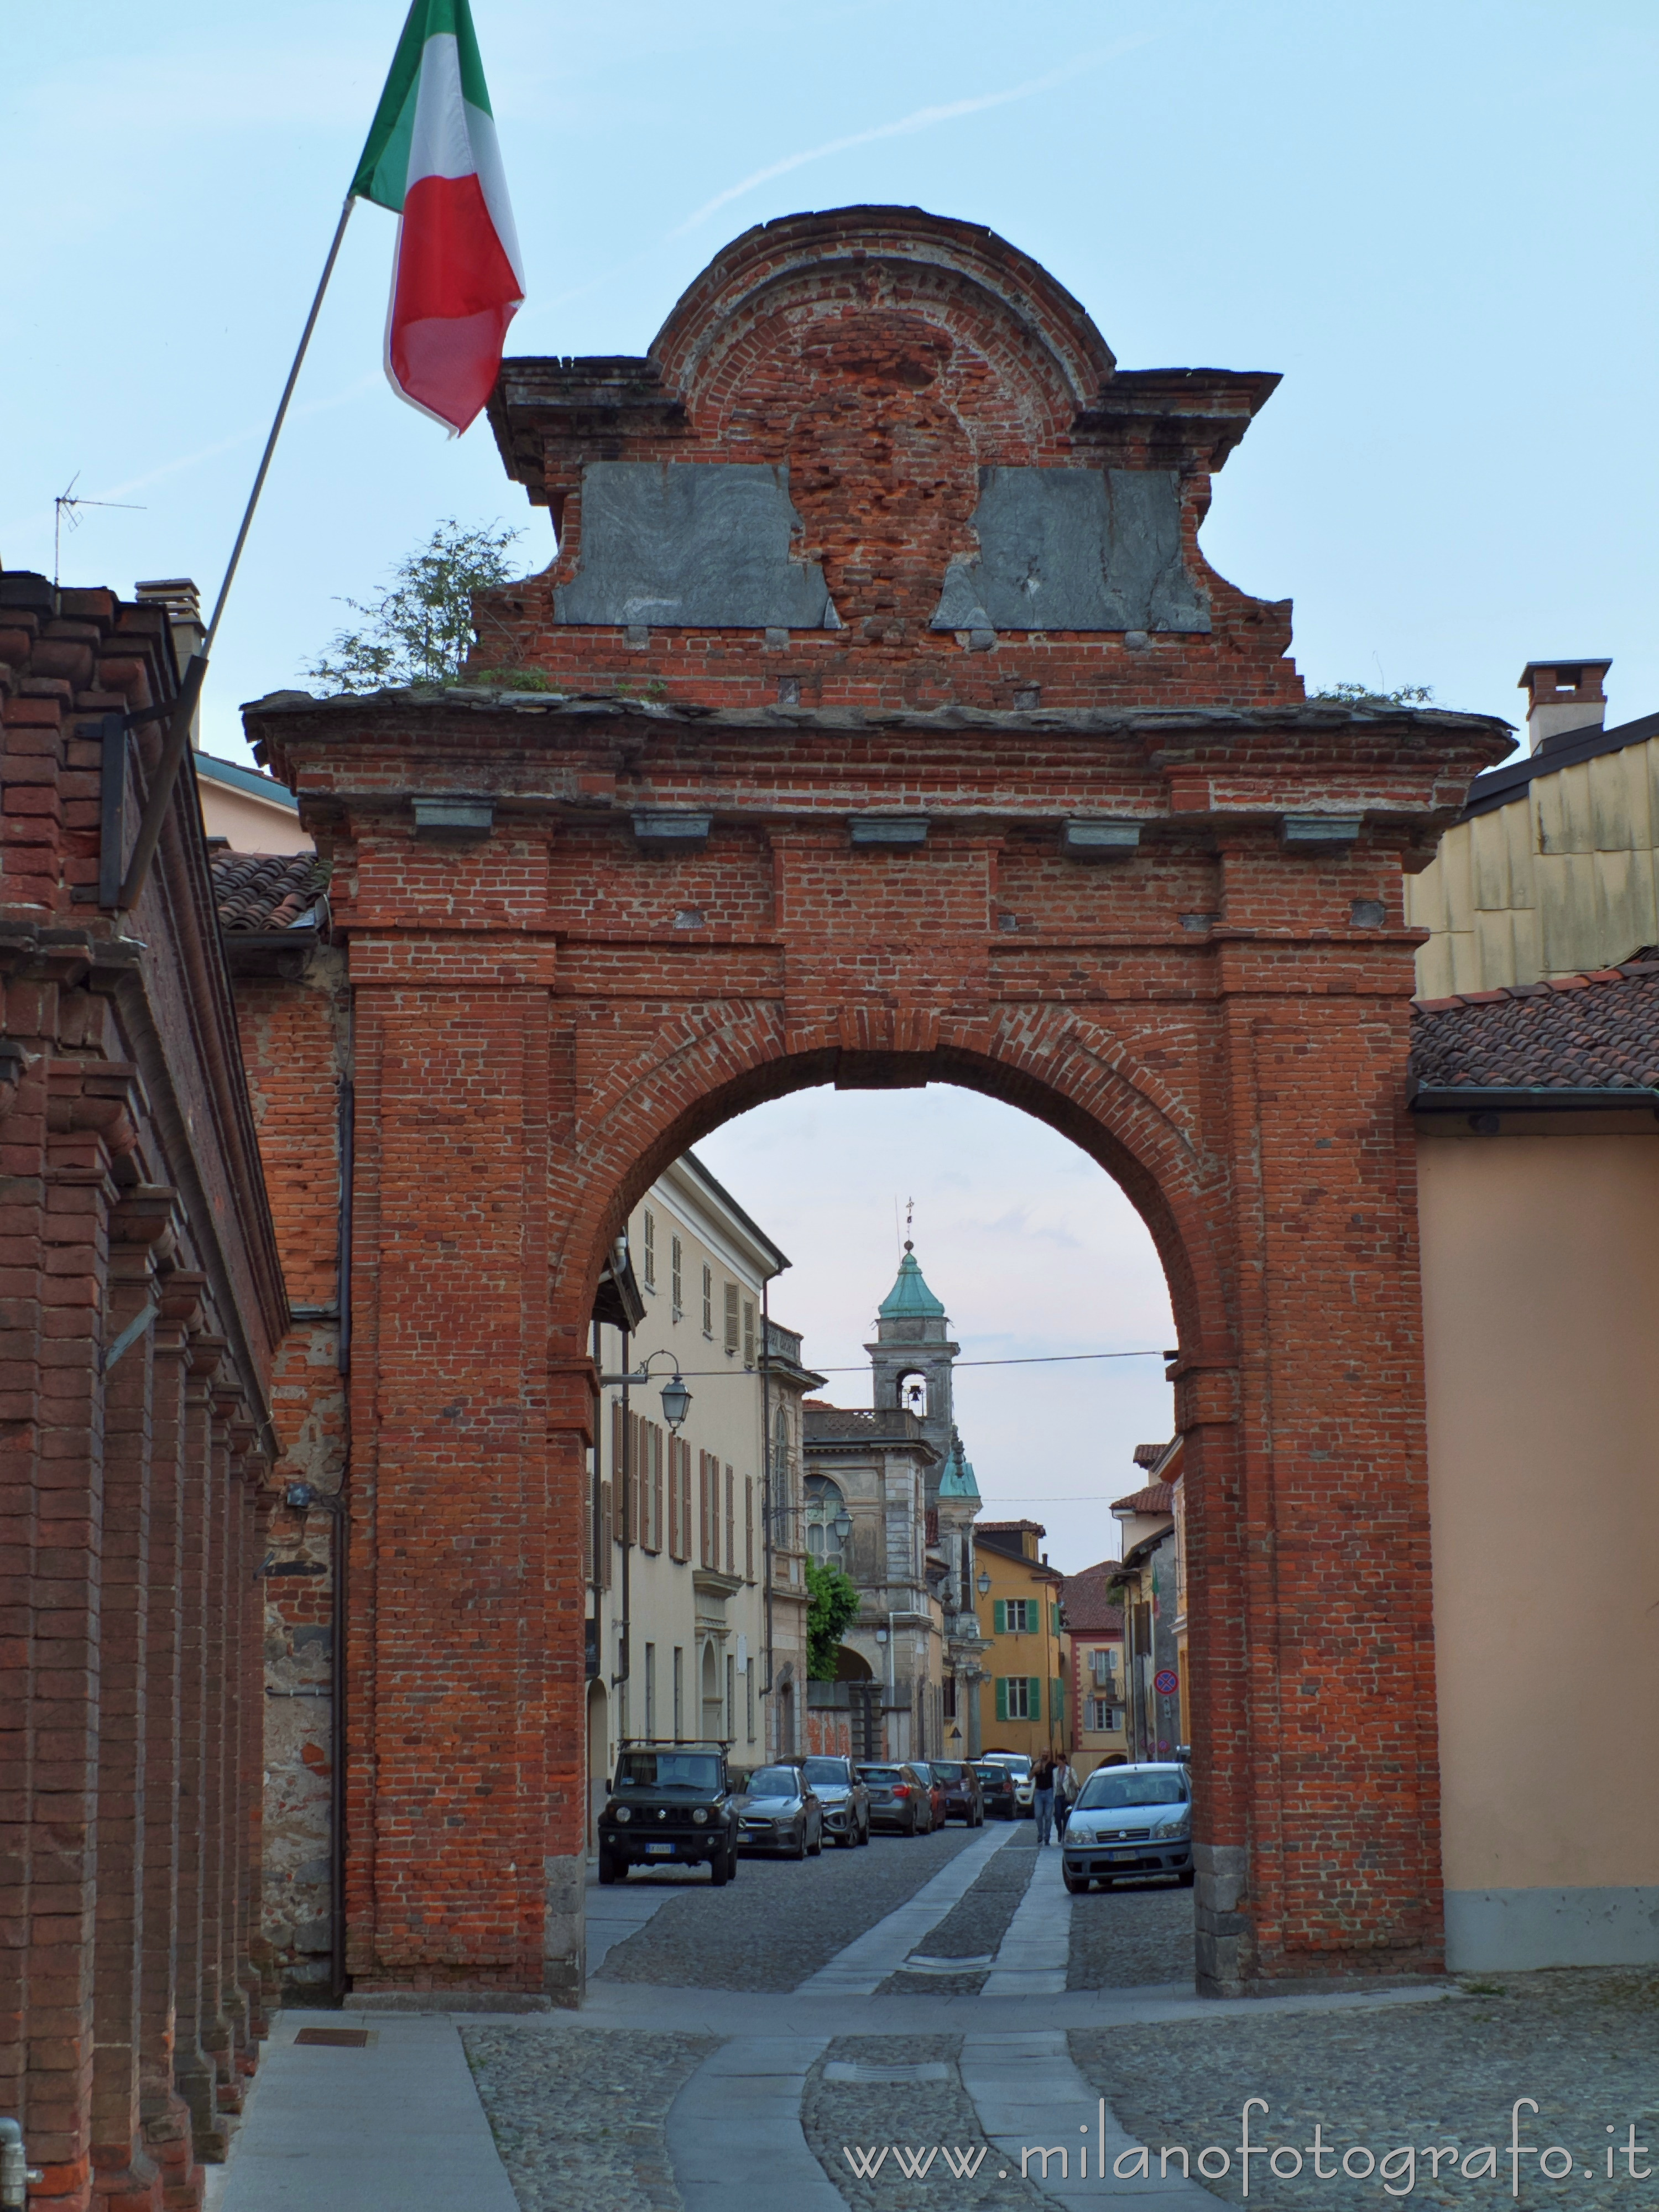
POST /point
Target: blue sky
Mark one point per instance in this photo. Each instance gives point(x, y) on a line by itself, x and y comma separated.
point(1435, 219)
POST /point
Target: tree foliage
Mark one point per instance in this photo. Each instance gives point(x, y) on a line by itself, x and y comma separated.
point(1362, 695)
point(832, 1603)
point(420, 630)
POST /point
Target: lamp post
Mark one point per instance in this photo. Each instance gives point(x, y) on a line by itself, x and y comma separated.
point(675, 1398)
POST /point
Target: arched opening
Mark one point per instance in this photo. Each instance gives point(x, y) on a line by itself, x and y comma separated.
point(713, 1719)
point(853, 1667)
point(828, 1524)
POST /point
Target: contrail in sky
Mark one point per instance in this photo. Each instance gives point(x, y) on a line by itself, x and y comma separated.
point(924, 118)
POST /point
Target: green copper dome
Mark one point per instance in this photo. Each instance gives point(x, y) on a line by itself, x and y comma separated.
point(910, 1299)
point(957, 1480)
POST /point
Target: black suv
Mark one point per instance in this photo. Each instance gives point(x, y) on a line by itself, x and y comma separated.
point(670, 1804)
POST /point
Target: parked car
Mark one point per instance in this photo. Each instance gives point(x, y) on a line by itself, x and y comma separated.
point(669, 1804)
point(996, 1785)
point(1130, 1821)
point(843, 1799)
point(963, 1799)
point(780, 1812)
point(1019, 1766)
point(899, 1799)
point(927, 1775)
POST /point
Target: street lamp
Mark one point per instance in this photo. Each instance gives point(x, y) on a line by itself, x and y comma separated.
point(675, 1398)
point(983, 1585)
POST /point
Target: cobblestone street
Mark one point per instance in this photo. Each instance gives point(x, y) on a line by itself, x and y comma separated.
point(799, 2042)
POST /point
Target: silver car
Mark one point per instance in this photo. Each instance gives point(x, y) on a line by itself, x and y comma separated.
point(1130, 1821)
point(780, 1812)
point(842, 1797)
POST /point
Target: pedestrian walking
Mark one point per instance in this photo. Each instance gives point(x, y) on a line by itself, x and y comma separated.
point(1065, 1793)
point(1042, 1778)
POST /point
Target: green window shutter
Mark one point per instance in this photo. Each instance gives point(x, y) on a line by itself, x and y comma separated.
point(1033, 1698)
point(999, 1627)
point(1054, 1610)
point(1002, 1691)
point(1057, 1700)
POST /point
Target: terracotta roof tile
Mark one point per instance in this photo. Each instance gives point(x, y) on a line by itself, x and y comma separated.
point(1596, 1032)
point(257, 892)
point(1089, 1611)
point(1159, 1498)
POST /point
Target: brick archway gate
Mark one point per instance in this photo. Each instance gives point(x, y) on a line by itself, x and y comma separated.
point(879, 722)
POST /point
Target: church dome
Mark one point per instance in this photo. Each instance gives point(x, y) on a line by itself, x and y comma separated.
point(910, 1299)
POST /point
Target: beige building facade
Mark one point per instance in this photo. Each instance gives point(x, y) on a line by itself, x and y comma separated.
point(1538, 1176)
point(1554, 868)
point(688, 1639)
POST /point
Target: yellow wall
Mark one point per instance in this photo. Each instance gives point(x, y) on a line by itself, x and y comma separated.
point(1564, 879)
point(1034, 1654)
point(1541, 1270)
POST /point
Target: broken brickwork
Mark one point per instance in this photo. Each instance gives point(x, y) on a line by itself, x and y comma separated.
point(644, 873)
point(141, 1303)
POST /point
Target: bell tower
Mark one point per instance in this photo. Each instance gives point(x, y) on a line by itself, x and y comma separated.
point(911, 1358)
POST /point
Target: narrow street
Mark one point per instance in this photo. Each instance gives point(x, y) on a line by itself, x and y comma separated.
point(908, 2026)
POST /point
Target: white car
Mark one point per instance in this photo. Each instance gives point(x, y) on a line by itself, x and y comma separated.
point(1130, 1821)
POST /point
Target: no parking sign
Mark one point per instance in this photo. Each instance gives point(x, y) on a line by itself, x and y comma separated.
point(1166, 1681)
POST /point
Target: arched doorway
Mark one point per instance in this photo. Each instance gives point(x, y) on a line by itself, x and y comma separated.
point(853, 817)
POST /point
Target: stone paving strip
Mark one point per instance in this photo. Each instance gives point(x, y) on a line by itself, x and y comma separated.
point(1583, 2041)
point(779, 1921)
point(394, 2126)
point(1033, 1954)
point(735, 2134)
point(863, 1966)
point(572, 2131)
point(961, 1949)
point(1029, 2097)
point(1132, 1937)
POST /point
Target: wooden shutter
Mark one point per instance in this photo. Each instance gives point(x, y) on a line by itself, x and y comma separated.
point(656, 1490)
point(731, 1316)
point(702, 1509)
point(1002, 1693)
point(1000, 1627)
point(1034, 1696)
point(605, 1537)
point(749, 1528)
point(749, 1332)
point(731, 1522)
point(685, 1501)
point(587, 1525)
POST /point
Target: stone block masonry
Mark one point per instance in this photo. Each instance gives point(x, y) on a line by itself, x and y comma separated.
point(548, 1006)
point(141, 1302)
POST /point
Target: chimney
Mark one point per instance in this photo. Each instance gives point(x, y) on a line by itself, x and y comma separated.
point(179, 598)
point(1564, 698)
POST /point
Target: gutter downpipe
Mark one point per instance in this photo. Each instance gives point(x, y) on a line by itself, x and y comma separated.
point(340, 1534)
point(766, 1485)
point(625, 1471)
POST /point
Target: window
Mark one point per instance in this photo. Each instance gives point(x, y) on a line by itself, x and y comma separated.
point(1014, 1616)
point(708, 1301)
point(649, 1275)
point(1102, 1714)
point(731, 1320)
point(731, 1699)
point(679, 1694)
point(676, 1276)
point(948, 1705)
point(731, 1524)
point(749, 1528)
point(749, 1332)
point(655, 1541)
point(650, 1689)
point(1019, 1698)
point(826, 1509)
point(708, 1474)
point(1103, 1666)
point(749, 1699)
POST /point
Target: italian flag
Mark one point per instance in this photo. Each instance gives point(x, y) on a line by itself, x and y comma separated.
point(432, 157)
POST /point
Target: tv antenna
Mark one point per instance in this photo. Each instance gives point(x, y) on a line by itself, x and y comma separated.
point(66, 510)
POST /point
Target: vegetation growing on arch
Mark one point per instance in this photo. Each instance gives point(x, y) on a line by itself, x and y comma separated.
point(420, 630)
point(833, 1601)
